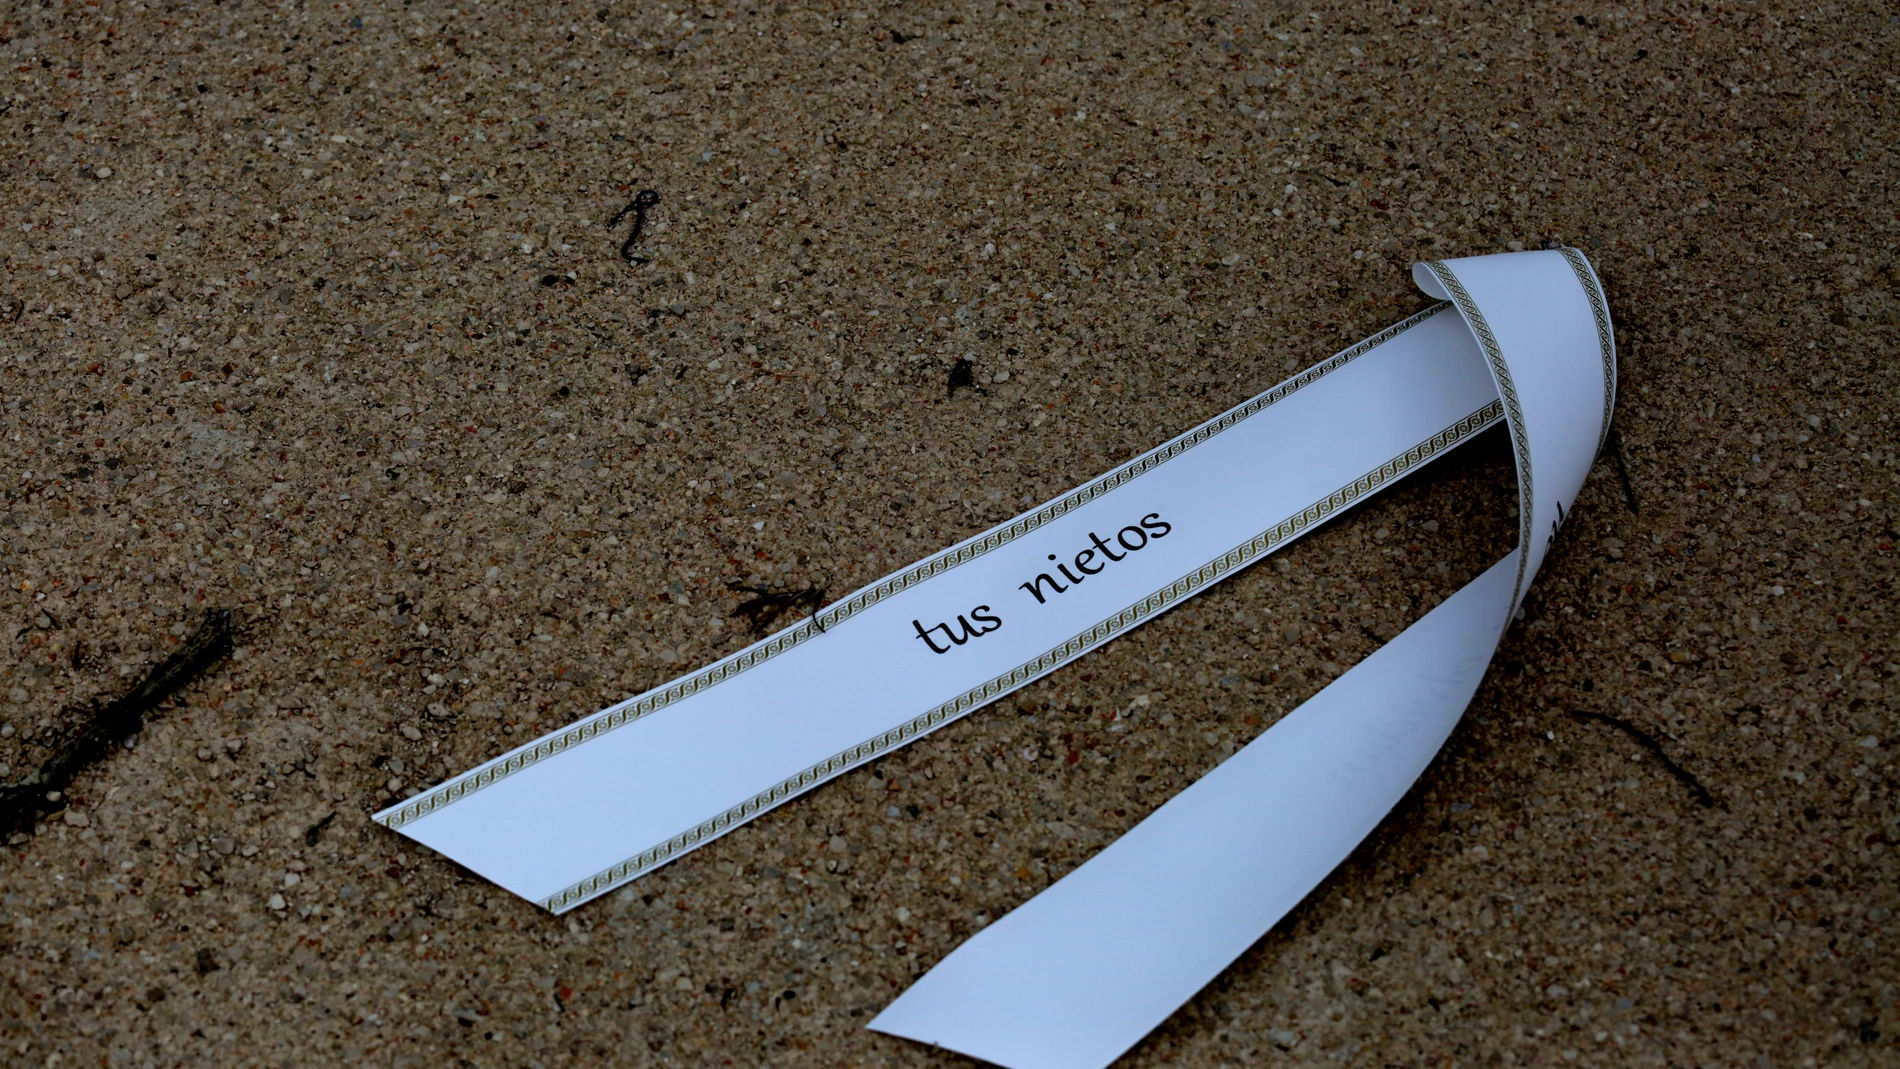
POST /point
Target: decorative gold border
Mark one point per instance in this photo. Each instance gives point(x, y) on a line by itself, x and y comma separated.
point(1132, 616)
point(1520, 439)
point(1520, 442)
point(634, 708)
point(1606, 336)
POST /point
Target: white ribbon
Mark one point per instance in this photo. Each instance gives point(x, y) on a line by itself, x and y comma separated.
point(1080, 973)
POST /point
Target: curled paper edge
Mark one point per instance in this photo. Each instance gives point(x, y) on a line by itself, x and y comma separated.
point(1079, 974)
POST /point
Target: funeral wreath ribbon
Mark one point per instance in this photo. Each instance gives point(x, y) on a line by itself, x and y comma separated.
point(1076, 976)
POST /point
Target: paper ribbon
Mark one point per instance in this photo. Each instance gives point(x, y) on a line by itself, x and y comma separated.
point(1079, 974)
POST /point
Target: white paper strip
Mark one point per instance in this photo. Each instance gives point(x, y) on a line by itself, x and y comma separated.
point(1090, 966)
point(575, 814)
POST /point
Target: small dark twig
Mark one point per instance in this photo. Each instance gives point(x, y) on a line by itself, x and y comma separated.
point(962, 373)
point(1648, 742)
point(1623, 471)
point(645, 199)
point(766, 606)
point(25, 799)
point(315, 831)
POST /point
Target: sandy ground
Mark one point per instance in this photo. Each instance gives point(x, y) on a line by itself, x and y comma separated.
point(312, 312)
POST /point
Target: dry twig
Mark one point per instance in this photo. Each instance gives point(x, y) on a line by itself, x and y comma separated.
point(766, 606)
point(1623, 471)
point(24, 800)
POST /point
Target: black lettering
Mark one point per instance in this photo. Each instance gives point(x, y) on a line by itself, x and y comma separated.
point(1036, 587)
point(968, 631)
point(925, 635)
point(1094, 561)
point(1064, 569)
point(982, 615)
point(1103, 546)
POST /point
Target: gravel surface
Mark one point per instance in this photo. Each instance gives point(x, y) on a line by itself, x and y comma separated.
point(313, 312)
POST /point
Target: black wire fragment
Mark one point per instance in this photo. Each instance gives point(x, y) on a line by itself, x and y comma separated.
point(1648, 742)
point(629, 249)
